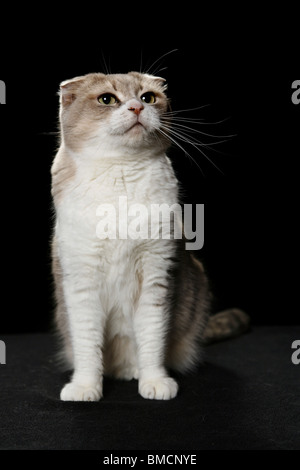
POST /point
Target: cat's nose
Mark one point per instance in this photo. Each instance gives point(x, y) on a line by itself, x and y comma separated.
point(135, 106)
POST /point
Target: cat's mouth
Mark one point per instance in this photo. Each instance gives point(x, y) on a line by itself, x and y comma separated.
point(137, 125)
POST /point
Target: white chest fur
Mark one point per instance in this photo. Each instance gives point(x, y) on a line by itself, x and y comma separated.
point(143, 180)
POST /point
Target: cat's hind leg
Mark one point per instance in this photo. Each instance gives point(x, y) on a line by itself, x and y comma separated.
point(120, 358)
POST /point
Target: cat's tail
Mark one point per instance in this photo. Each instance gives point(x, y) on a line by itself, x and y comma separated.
point(226, 324)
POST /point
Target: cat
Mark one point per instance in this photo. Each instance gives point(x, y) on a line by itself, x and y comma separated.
point(127, 308)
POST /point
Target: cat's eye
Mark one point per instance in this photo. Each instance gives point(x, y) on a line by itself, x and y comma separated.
point(108, 99)
point(148, 97)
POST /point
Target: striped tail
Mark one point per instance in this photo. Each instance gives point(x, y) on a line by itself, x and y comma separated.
point(226, 324)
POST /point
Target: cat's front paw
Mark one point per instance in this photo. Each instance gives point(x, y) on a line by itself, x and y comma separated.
point(161, 388)
point(76, 392)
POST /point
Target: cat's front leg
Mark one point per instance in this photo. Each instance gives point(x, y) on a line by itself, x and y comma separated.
point(151, 325)
point(86, 321)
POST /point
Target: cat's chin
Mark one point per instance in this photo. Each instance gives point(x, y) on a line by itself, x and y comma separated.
point(137, 137)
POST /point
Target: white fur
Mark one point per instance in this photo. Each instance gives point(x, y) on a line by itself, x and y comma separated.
point(113, 288)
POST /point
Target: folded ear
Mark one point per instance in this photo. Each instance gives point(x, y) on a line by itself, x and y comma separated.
point(162, 82)
point(159, 80)
point(69, 90)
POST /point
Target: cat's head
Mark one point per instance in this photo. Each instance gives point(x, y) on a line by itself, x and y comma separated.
point(109, 114)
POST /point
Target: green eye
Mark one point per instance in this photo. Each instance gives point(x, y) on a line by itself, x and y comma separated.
point(108, 99)
point(148, 97)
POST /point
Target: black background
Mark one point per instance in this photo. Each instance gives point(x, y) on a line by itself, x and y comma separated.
point(242, 65)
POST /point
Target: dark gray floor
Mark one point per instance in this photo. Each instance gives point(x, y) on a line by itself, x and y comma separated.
point(245, 396)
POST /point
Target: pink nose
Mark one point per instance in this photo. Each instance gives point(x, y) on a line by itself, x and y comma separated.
point(135, 106)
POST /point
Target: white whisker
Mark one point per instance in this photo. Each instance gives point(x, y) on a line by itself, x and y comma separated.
point(150, 71)
point(107, 68)
point(141, 61)
point(195, 144)
point(180, 146)
point(182, 126)
point(160, 70)
point(188, 139)
point(192, 120)
point(186, 110)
